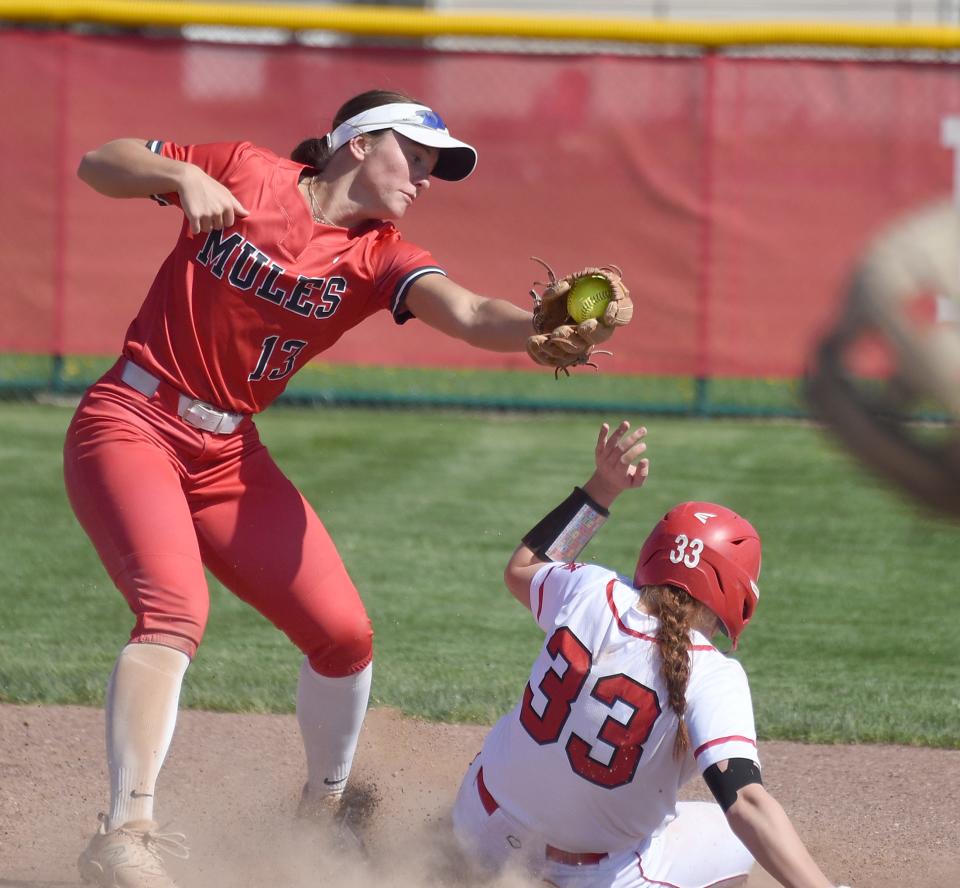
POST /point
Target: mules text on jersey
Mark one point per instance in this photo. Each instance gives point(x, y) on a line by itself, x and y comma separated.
point(245, 266)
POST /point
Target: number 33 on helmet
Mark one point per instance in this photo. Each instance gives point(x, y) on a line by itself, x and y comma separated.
point(710, 552)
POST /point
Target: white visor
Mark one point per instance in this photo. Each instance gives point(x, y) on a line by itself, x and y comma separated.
point(418, 123)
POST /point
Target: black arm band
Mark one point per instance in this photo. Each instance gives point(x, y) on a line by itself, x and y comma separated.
point(564, 533)
point(725, 784)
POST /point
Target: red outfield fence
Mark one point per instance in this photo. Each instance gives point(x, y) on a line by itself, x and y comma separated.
point(734, 192)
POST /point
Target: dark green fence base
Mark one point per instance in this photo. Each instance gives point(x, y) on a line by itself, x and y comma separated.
point(319, 384)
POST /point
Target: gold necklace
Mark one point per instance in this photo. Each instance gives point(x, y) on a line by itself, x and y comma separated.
point(315, 210)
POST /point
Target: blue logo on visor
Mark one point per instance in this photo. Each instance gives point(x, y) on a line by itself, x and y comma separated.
point(431, 120)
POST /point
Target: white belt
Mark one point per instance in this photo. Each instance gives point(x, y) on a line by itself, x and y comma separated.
point(192, 411)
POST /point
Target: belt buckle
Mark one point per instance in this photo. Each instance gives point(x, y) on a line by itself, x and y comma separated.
point(202, 416)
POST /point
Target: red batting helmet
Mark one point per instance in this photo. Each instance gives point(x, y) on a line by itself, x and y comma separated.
point(713, 554)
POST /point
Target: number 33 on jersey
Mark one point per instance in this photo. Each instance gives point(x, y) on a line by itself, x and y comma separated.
point(594, 723)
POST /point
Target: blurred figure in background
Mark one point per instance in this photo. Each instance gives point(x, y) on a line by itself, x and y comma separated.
point(892, 358)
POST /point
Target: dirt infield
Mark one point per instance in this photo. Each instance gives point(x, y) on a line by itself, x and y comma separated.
point(875, 817)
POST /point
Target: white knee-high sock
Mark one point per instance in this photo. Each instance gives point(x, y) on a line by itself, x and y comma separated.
point(141, 712)
point(330, 712)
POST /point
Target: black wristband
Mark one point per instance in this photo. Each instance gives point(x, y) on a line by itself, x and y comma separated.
point(564, 533)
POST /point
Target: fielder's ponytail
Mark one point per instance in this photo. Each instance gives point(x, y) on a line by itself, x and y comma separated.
point(315, 153)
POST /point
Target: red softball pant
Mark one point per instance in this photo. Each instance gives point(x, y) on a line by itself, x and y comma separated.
point(160, 499)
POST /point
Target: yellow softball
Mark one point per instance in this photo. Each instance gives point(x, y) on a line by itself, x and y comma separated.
point(588, 298)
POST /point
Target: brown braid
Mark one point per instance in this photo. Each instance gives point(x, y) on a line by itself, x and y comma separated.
point(677, 612)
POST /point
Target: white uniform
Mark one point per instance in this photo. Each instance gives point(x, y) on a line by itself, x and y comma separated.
point(579, 782)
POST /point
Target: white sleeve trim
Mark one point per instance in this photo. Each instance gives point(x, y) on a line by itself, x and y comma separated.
point(156, 146)
point(405, 283)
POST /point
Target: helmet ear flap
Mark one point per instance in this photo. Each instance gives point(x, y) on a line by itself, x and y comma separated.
point(749, 604)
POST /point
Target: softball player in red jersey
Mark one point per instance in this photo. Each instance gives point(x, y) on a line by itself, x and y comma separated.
point(164, 467)
point(627, 700)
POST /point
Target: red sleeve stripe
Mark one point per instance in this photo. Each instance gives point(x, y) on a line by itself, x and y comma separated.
point(540, 593)
point(733, 738)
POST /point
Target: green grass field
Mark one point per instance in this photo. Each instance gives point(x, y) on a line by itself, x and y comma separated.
point(853, 639)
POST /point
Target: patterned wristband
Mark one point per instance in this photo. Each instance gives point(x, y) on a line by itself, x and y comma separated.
point(564, 533)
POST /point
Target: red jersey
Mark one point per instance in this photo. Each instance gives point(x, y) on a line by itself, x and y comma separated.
point(233, 314)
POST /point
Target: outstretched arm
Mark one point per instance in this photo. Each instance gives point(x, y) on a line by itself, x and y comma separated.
point(618, 468)
point(128, 168)
point(762, 825)
point(493, 324)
